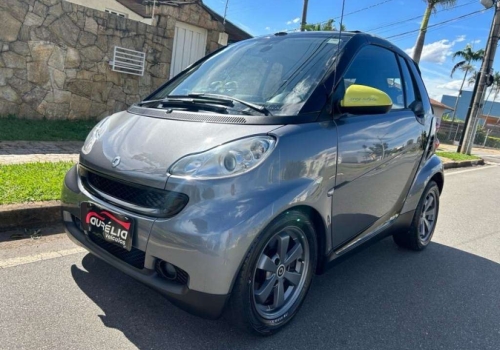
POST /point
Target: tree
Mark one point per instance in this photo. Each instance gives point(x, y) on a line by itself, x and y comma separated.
point(431, 7)
point(327, 26)
point(468, 56)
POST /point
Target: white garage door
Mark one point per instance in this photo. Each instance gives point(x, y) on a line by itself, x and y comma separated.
point(190, 43)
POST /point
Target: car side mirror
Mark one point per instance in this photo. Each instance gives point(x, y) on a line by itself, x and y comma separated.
point(361, 99)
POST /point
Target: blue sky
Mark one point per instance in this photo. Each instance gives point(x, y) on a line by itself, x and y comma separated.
point(260, 17)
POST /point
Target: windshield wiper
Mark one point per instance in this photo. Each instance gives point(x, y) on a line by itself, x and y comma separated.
point(182, 102)
point(226, 99)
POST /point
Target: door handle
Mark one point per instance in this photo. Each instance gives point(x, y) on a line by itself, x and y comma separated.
point(330, 193)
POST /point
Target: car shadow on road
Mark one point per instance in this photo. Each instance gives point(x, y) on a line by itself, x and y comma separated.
point(382, 298)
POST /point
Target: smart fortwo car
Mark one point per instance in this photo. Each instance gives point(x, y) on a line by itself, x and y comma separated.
point(258, 167)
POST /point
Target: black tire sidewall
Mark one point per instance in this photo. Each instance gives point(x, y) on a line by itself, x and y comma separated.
point(258, 323)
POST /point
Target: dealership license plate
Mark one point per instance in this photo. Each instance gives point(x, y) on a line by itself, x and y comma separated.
point(112, 227)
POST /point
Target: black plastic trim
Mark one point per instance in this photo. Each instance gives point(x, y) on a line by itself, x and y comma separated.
point(224, 118)
point(402, 222)
point(84, 172)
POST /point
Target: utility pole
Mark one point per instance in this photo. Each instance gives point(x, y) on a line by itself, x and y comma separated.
point(486, 68)
point(225, 12)
point(304, 16)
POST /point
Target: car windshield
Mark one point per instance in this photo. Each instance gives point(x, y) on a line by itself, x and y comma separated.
point(277, 72)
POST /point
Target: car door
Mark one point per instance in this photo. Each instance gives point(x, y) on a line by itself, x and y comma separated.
point(378, 153)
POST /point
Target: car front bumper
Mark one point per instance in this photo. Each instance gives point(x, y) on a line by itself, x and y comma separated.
point(200, 303)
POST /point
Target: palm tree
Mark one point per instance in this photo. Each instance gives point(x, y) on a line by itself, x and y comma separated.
point(468, 56)
point(431, 7)
point(326, 26)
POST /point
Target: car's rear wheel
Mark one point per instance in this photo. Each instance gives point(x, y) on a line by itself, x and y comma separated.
point(275, 276)
point(424, 222)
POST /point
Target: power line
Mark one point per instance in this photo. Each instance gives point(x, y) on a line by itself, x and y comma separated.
point(437, 24)
point(364, 9)
point(347, 14)
point(418, 17)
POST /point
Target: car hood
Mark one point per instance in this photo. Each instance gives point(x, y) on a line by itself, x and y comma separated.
point(148, 146)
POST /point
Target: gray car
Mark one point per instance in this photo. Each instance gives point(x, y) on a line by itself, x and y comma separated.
point(258, 167)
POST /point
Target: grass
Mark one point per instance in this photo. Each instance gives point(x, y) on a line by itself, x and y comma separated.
point(32, 182)
point(456, 156)
point(13, 129)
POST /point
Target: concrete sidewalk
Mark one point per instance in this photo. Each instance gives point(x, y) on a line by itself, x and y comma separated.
point(18, 152)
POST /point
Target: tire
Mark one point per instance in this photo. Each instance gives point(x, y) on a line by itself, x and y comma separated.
point(257, 309)
point(421, 231)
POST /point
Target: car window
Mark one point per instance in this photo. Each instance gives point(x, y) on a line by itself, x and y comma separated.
point(377, 67)
point(420, 91)
point(409, 82)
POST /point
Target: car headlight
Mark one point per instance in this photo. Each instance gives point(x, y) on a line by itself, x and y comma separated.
point(232, 158)
point(95, 135)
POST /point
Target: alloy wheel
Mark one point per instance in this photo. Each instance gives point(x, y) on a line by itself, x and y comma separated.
point(280, 272)
point(427, 217)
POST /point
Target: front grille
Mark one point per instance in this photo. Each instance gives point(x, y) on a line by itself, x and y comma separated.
point(130, 194)
point(164, 203)
point(134, 257)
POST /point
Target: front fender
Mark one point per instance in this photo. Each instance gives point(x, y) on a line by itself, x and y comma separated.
point(209, 239)
point(431, 167)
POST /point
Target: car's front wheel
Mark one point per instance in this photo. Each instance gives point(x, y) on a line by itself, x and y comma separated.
point(275, 276)
point(424, 222)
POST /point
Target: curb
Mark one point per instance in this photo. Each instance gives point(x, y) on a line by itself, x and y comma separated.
point(28, 215)
point(463, 164)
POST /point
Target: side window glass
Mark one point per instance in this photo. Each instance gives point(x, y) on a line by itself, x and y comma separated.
point(378, 68)
point(420, 87)
point(409, 83)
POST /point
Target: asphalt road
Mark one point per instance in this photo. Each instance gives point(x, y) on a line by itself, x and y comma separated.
point(54, 296)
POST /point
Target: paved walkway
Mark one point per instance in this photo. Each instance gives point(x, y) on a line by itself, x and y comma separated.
point(18, 152)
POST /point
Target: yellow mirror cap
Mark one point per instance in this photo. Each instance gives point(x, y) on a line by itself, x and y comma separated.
point(365, 96)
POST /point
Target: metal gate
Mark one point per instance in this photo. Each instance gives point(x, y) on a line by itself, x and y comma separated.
point(190, 44)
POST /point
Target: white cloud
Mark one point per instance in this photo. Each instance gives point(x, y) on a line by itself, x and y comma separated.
point(451, 85)
point(438, 51)
point(438, 86)
point(435, 52)
point(268, 28)
point(294, 21)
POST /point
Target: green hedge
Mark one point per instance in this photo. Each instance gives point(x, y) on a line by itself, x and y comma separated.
point(493, 142)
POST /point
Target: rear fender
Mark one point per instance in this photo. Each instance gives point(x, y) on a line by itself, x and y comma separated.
point(432, 166)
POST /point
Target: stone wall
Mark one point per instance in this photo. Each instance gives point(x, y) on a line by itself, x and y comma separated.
point(54, 59)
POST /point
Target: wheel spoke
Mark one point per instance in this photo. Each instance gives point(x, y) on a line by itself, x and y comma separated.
point(430, 216)
point(279, 294)
point(283, 241)
point(430, 201)
point(263, 293)
point(294, 254)
point(293, 277)
point(427, 225)
point(422, 227)
point(265, 263)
